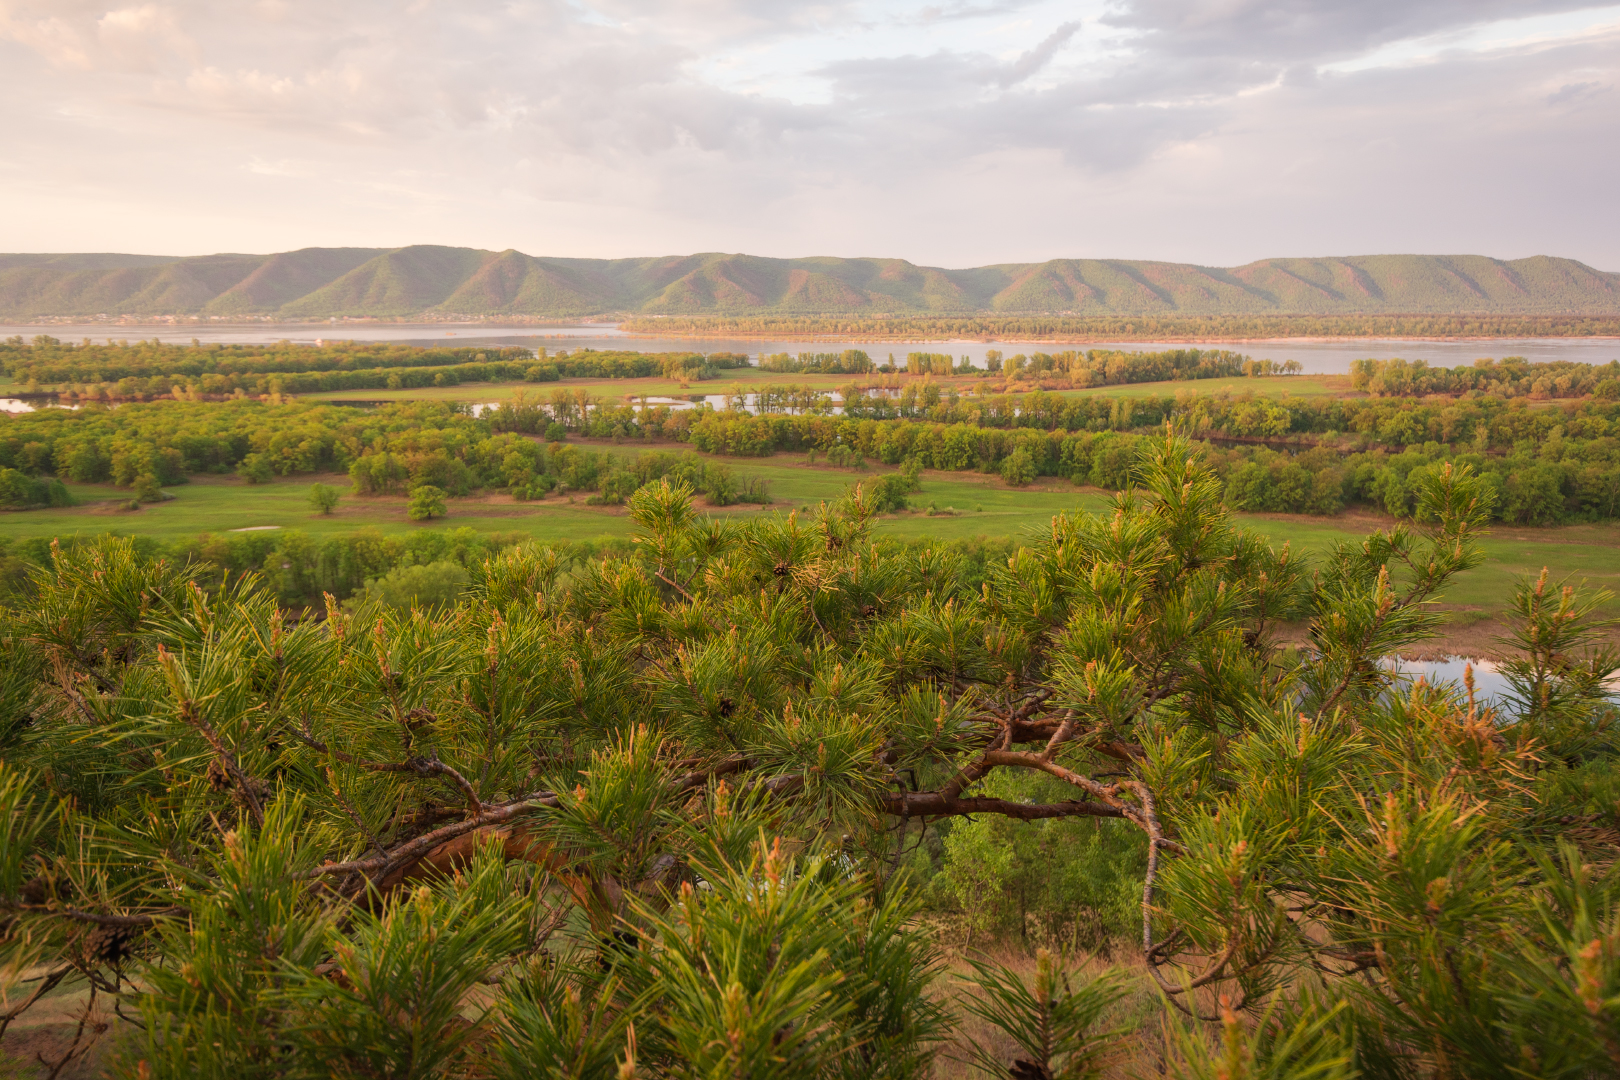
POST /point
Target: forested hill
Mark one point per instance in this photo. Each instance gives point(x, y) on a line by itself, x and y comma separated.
point(424, 280)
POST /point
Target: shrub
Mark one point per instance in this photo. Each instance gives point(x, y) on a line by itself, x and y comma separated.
point(719, 486)
point(322, 498)
point(19, 491)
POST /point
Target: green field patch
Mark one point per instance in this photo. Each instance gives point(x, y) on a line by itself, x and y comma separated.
point(965, 505)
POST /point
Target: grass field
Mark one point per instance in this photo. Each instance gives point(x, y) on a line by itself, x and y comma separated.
point(968, 505)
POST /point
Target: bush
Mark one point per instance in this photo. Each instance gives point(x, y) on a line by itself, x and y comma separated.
point(754, 490)
point(887, 494)
point(21, 492)
point(719, 486)
point(555, 432)
point(322, 498)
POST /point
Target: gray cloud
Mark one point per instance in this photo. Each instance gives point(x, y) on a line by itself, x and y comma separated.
point(1038, 57)
point(1158, 128)
point(1294, 30)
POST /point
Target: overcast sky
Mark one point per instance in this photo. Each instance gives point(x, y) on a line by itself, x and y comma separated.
point(949, 133)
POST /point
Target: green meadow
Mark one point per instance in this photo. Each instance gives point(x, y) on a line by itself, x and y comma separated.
point(949, 506)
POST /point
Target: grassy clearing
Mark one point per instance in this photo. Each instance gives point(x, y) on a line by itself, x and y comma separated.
point(222, 504)
point(967, 505)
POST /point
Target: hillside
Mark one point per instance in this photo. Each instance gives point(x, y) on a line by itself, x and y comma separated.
point(423, 280)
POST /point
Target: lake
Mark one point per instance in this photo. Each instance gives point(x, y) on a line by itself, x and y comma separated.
point(1317, 357)
point(1489, 682)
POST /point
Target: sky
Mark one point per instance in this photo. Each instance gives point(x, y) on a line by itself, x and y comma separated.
point(948, 132)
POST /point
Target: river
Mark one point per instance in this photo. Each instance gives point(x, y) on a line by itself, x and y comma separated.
point(1317, 357)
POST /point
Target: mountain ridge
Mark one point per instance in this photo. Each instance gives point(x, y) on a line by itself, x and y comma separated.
point(436, 280)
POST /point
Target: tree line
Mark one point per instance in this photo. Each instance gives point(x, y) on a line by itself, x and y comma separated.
point(591, 364)
point(47, 360)
point(149, 370)
point(848, 362)
point(1511, 376)
point(1115, 327)
point(1310, 455)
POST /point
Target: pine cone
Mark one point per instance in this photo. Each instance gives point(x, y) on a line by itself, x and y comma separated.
point(109, 945)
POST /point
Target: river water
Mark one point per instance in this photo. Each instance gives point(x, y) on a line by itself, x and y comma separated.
point(1317, 357)
point(1490, 685)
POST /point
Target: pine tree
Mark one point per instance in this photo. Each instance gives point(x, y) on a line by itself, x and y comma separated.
point(640, 815)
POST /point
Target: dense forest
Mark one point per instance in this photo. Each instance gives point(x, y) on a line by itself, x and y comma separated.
point(1544, 463)
point(147, 370)
point(1512, 376)
point(701, 808)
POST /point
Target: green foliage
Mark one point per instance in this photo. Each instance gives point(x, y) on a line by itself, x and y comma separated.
point(1561, 663)
point(887, 494)
point(21, 492)
point(399, 1008)
point(1019, 468)
point(426, 502)
point(256, 469)
point(433, 585)
point(322, 498)
point(1508, 377)
point(1295, 455)
point(651, 805)
point(848, 362)
point(150, 369)
point(1056, 1027)
point(1303, 1041)
point(1070, 883)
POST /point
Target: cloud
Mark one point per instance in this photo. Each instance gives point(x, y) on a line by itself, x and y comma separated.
point(1294, 30)
point(1038, 57)
point(949, 132)
point(1580, 91)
